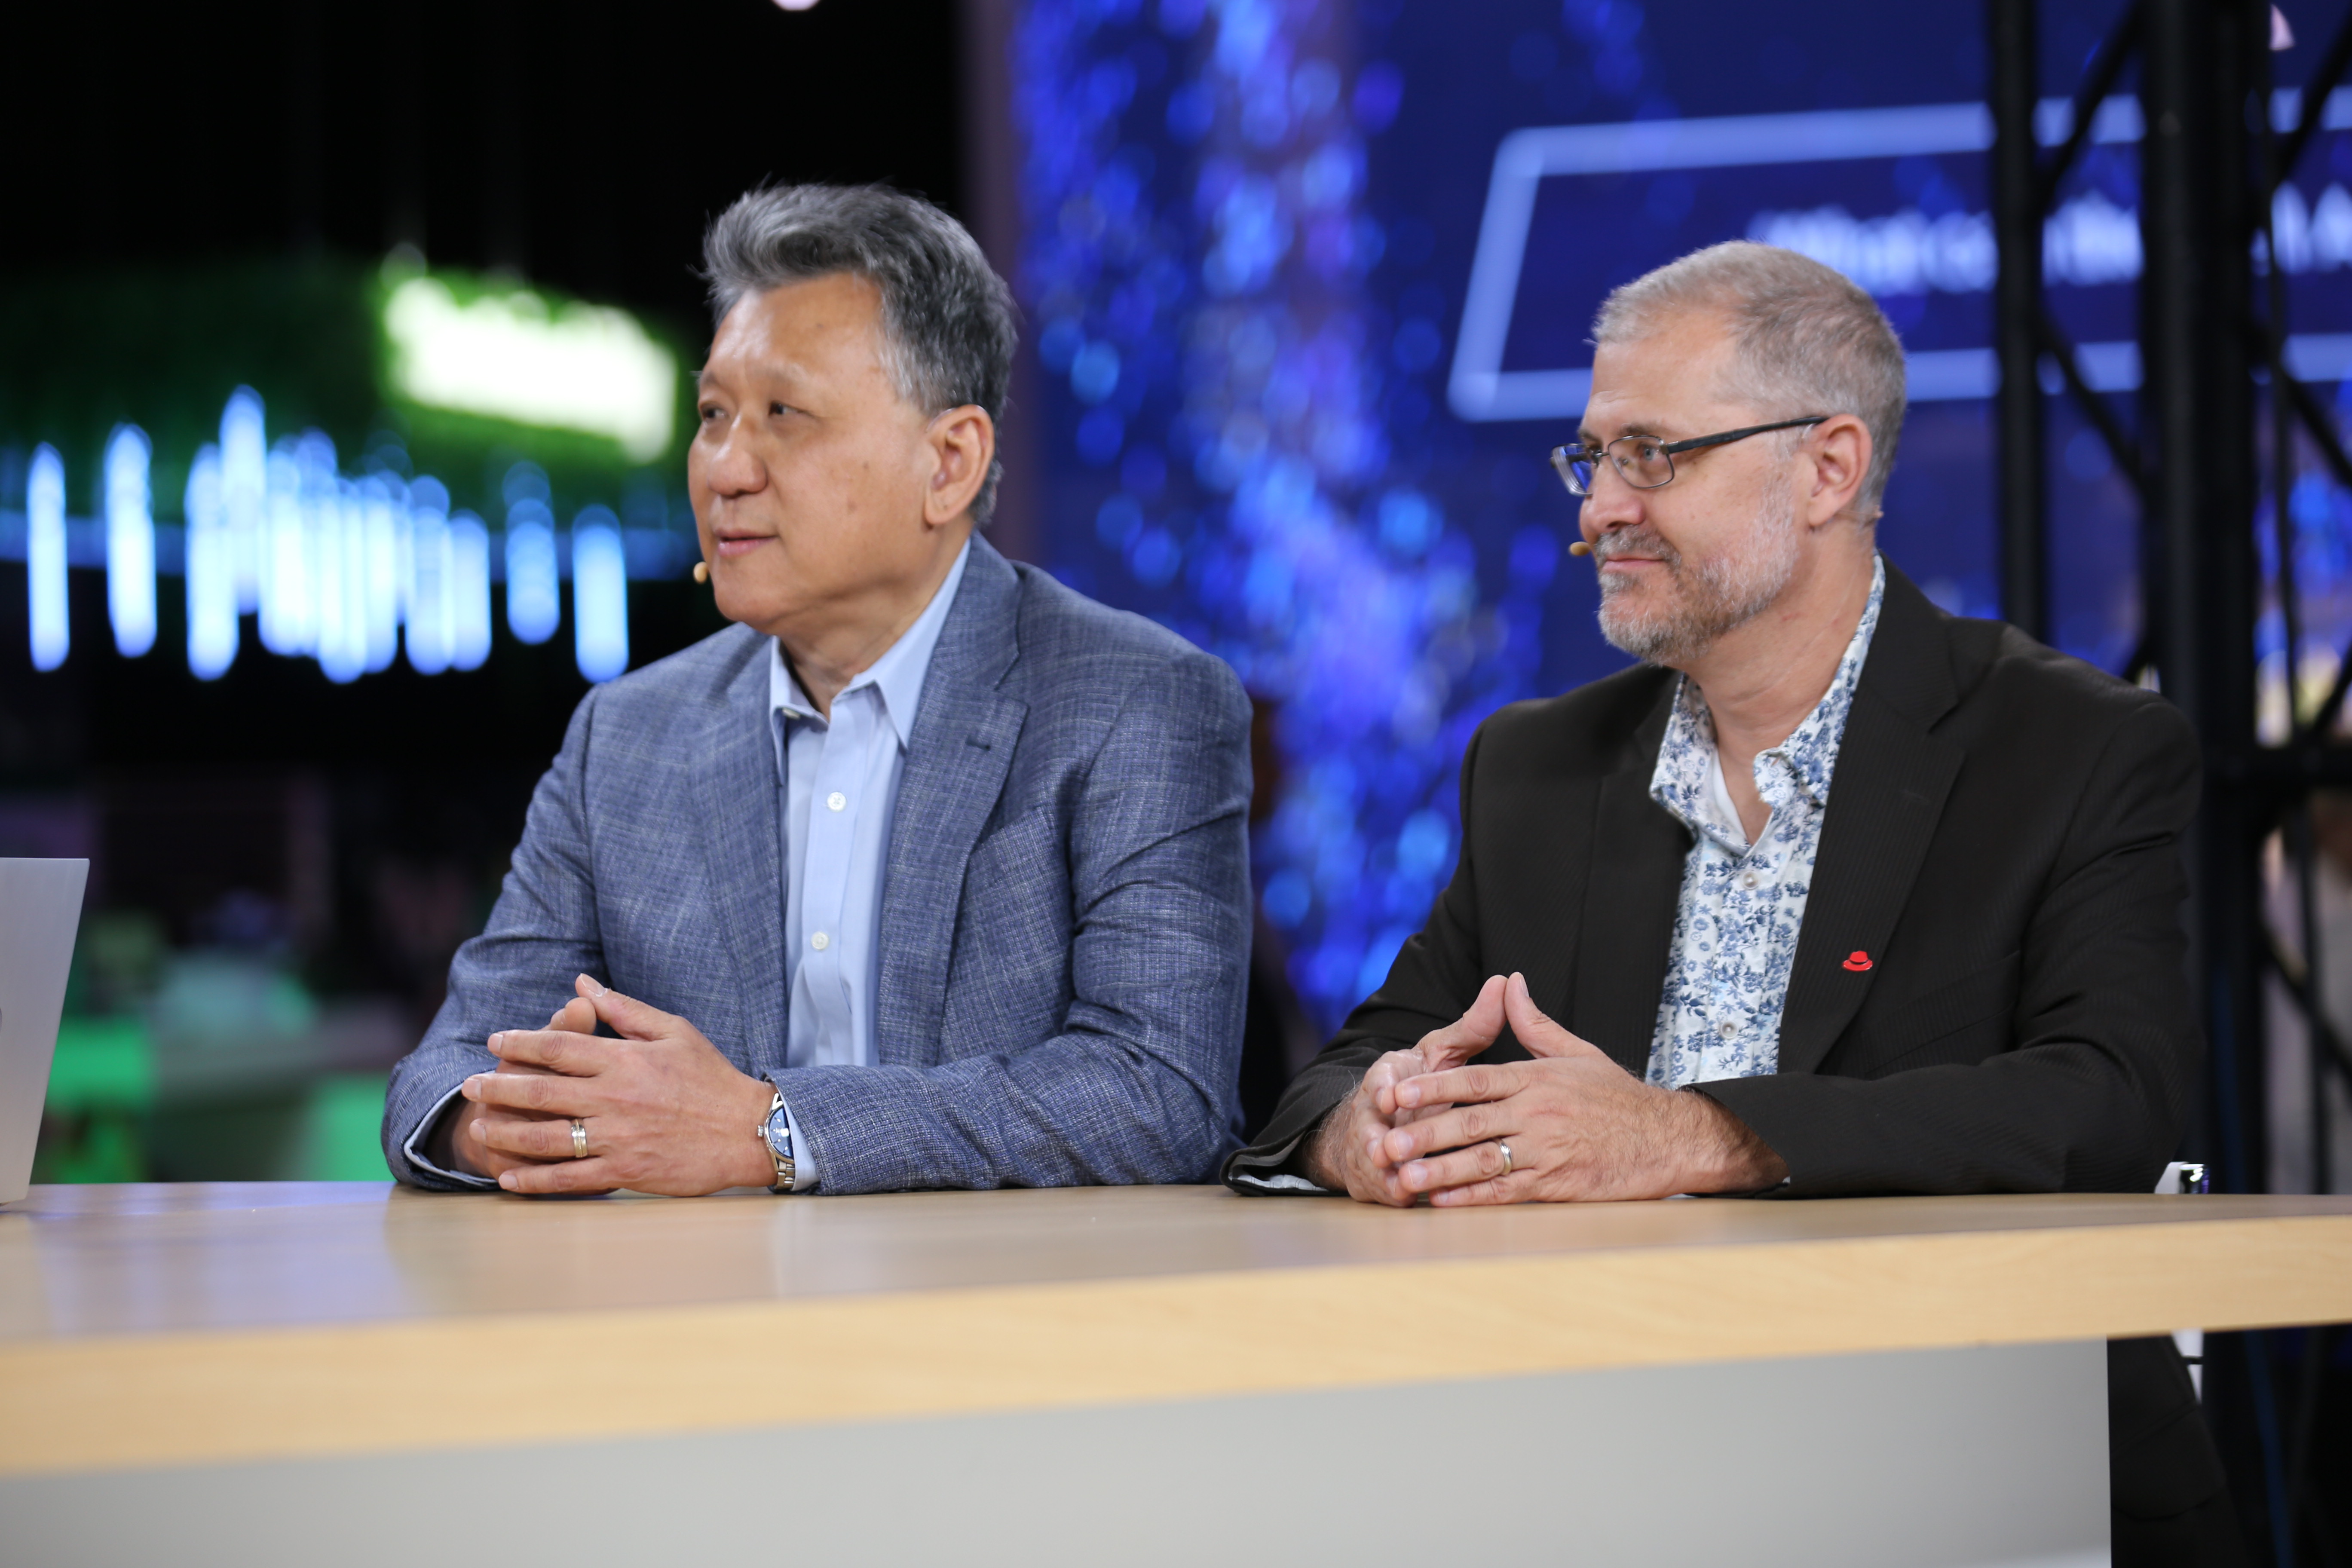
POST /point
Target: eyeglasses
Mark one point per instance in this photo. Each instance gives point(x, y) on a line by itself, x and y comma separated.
point(1645, 462)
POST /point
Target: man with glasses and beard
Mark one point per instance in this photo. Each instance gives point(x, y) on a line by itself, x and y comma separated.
point(1832, 893)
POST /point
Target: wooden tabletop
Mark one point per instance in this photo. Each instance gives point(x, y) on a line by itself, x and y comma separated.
point(169, 1324)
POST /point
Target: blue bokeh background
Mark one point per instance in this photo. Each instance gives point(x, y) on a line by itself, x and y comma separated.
point(1249, 230)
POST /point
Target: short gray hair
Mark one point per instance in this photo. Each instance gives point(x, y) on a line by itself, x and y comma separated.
point(949, 323)
point(1805, 339)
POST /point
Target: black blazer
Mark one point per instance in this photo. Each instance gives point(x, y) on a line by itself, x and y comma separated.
point(2001, 844)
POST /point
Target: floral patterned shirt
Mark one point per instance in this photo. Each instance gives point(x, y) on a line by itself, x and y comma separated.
point(1741, 906)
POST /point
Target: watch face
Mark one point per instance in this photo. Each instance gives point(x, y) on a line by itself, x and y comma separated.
point(776, 1133)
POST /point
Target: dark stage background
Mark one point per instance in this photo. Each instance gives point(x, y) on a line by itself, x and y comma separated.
point(299, 855)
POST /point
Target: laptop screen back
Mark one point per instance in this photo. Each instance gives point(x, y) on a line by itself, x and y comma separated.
point(40, 907)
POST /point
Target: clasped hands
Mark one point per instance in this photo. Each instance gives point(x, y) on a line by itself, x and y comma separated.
point(1430, 1123)
point(662, 1109)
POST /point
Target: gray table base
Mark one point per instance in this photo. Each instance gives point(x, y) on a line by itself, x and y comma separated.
point(1954, 1458)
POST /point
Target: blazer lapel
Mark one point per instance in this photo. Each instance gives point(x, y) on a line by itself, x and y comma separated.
point(1887, 796)
point(735, 783)
point(1628, 922)
point(957, 762)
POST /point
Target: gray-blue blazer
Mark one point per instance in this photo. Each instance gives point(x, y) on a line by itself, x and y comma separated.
point(1066, 909)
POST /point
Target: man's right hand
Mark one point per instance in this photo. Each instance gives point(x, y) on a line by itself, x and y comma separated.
point(457, 1147)
point(1347, 1153)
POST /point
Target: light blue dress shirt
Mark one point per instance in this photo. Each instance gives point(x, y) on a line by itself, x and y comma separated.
point(838, 791)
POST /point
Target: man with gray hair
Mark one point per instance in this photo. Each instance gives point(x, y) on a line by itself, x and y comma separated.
point(1683, 962)
point(927, 873)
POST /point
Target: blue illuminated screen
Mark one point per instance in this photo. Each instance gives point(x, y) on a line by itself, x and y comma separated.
point(1311, 288)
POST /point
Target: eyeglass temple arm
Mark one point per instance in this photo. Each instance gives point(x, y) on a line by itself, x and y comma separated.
point(1670, 448)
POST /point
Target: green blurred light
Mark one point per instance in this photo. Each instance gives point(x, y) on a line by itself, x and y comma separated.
point(343, 1130)
point(102, 1064)
point(513, 355)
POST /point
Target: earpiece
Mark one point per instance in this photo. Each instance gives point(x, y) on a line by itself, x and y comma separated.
point(702, 571)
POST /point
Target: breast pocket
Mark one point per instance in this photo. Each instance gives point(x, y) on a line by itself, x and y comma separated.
point(1965, 1022)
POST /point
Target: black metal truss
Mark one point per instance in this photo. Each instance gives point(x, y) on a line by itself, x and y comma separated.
point(2212, 161)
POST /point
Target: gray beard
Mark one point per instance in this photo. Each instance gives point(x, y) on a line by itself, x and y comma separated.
point(1710, 599)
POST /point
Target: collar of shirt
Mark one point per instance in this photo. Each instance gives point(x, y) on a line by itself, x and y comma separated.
point(1684, 780)
point(897, 676)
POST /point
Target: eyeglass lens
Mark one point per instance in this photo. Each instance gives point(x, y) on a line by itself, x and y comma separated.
point(1643, 461)
point(1574, 465)
point(1640, 461)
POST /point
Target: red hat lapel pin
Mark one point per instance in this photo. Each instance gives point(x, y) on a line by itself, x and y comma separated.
point(1857, 961)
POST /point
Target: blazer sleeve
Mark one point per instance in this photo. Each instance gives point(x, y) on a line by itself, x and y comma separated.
point(1434, 974)
point(1139, 1085)
point(542, 933)
point(2093, 1095)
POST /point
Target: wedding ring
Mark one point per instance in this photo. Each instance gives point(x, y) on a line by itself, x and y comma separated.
point(1505, 1148)
point(580, 1141)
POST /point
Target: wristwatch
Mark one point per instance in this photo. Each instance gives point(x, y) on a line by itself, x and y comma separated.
point(776, 1133)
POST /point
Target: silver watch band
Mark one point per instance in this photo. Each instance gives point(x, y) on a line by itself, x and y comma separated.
point(776, 1134)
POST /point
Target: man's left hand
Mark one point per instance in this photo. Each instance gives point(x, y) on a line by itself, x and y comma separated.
point(664, 1111)
point(1579, 1127)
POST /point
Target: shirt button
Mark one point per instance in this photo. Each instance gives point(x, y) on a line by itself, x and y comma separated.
point(1724, 1029)
point(836, 800)
point(1749, 880)
point(820, 942)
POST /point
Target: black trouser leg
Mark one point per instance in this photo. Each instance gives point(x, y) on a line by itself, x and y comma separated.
point(2166, 1487)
